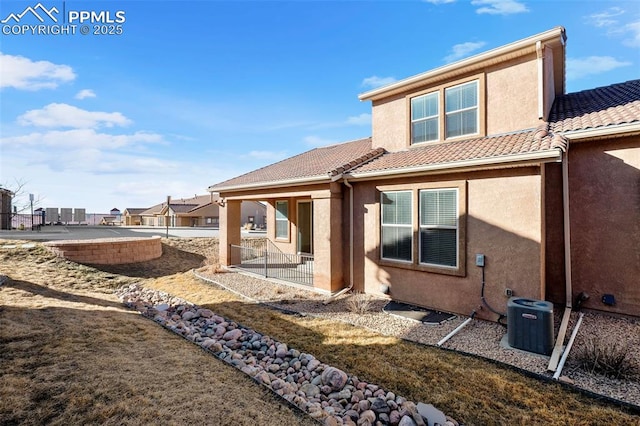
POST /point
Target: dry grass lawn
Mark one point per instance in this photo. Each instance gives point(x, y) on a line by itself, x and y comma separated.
point(71, 354)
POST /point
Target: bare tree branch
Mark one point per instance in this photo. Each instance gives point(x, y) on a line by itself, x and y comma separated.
point(21, 202)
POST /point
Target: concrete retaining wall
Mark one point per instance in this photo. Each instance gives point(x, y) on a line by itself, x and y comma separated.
point(108, 251)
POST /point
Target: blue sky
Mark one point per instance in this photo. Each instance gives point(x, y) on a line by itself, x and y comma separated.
point(193, 93)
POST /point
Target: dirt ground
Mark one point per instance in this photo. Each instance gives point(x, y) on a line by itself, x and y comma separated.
point(70, 353)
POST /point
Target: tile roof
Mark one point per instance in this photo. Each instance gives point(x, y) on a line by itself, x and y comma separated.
point(193, 203)
point(523, 142)
point(183, 208)
point(134, 211)
point(599, 107)
point(319, 162)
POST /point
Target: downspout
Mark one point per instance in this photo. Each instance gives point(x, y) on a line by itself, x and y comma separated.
point(565, 355)
point(346, 289)
point(567, 229)
point(557, 350)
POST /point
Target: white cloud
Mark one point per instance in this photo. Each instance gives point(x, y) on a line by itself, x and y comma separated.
point(582, 67)
point(606, 18)
point(359, 120)
point(85, 151)
point(612, 20)
point(85, 93)
point(64, 115)
point(374, 81)
point(80, 139)
point(317, 141)
point(22, 73)
point(499, 7)
point(632, 30)
point(462, 50)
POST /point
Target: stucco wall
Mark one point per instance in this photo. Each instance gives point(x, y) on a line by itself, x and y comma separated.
point(512, 96)
point(510, 103)
point(604, 184)
point(389, 123)
point(503, 222)
point(287, 245)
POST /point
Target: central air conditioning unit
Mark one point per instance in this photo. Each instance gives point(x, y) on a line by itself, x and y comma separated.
point(530, 325)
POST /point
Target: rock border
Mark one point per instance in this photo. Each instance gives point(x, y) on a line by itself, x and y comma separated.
point(325, 393)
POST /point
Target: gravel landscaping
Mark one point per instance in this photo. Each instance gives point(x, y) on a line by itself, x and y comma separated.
point(480, 338)
point(326, 393)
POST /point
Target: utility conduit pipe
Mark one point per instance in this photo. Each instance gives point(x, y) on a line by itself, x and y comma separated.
point(568, 348)
point(457, 329)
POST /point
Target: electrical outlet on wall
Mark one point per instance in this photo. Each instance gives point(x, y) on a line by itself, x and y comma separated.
point(508, 292)
point(479, 259)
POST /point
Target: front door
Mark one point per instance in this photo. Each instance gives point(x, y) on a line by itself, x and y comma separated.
point(305, 227)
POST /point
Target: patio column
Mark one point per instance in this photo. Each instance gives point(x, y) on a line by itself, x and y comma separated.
point(229, 232)
point(327, 240)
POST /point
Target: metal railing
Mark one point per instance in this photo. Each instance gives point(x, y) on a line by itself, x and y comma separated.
point(21, 222)
point(270, 262)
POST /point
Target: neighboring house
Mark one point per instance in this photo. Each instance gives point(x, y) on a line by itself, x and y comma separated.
point(133, 216)
point(201, 210)
point(110, 220)
point(485, 156)
point(150, 216)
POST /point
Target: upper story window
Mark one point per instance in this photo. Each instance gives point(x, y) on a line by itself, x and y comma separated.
point(462, 109)
point(424, 118)
point(461, 113)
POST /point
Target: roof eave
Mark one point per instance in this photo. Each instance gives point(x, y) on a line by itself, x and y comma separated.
point(271, 184)
point(406, 84)
point(626, 129)
point(546, 156)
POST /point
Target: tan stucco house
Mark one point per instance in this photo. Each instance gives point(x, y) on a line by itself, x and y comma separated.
point(200, 210)
point(483, 161)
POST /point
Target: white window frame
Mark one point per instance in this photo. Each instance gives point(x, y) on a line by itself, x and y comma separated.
point(435, 94)
point(285, 219)
point(395, 225)
point(459, 111)
point(439, 226)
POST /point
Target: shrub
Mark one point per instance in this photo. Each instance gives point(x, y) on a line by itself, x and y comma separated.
point(608, 357)
point(359, 303)
point(211, 266)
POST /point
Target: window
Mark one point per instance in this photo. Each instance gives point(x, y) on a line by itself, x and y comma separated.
point(461, 113)
point(462, 109)
point(397, 226)
point(439, 227)
point(282, 219)
point(424, 118)
point(423, 226)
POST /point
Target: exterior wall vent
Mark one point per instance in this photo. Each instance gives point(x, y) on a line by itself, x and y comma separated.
point(530, 325)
